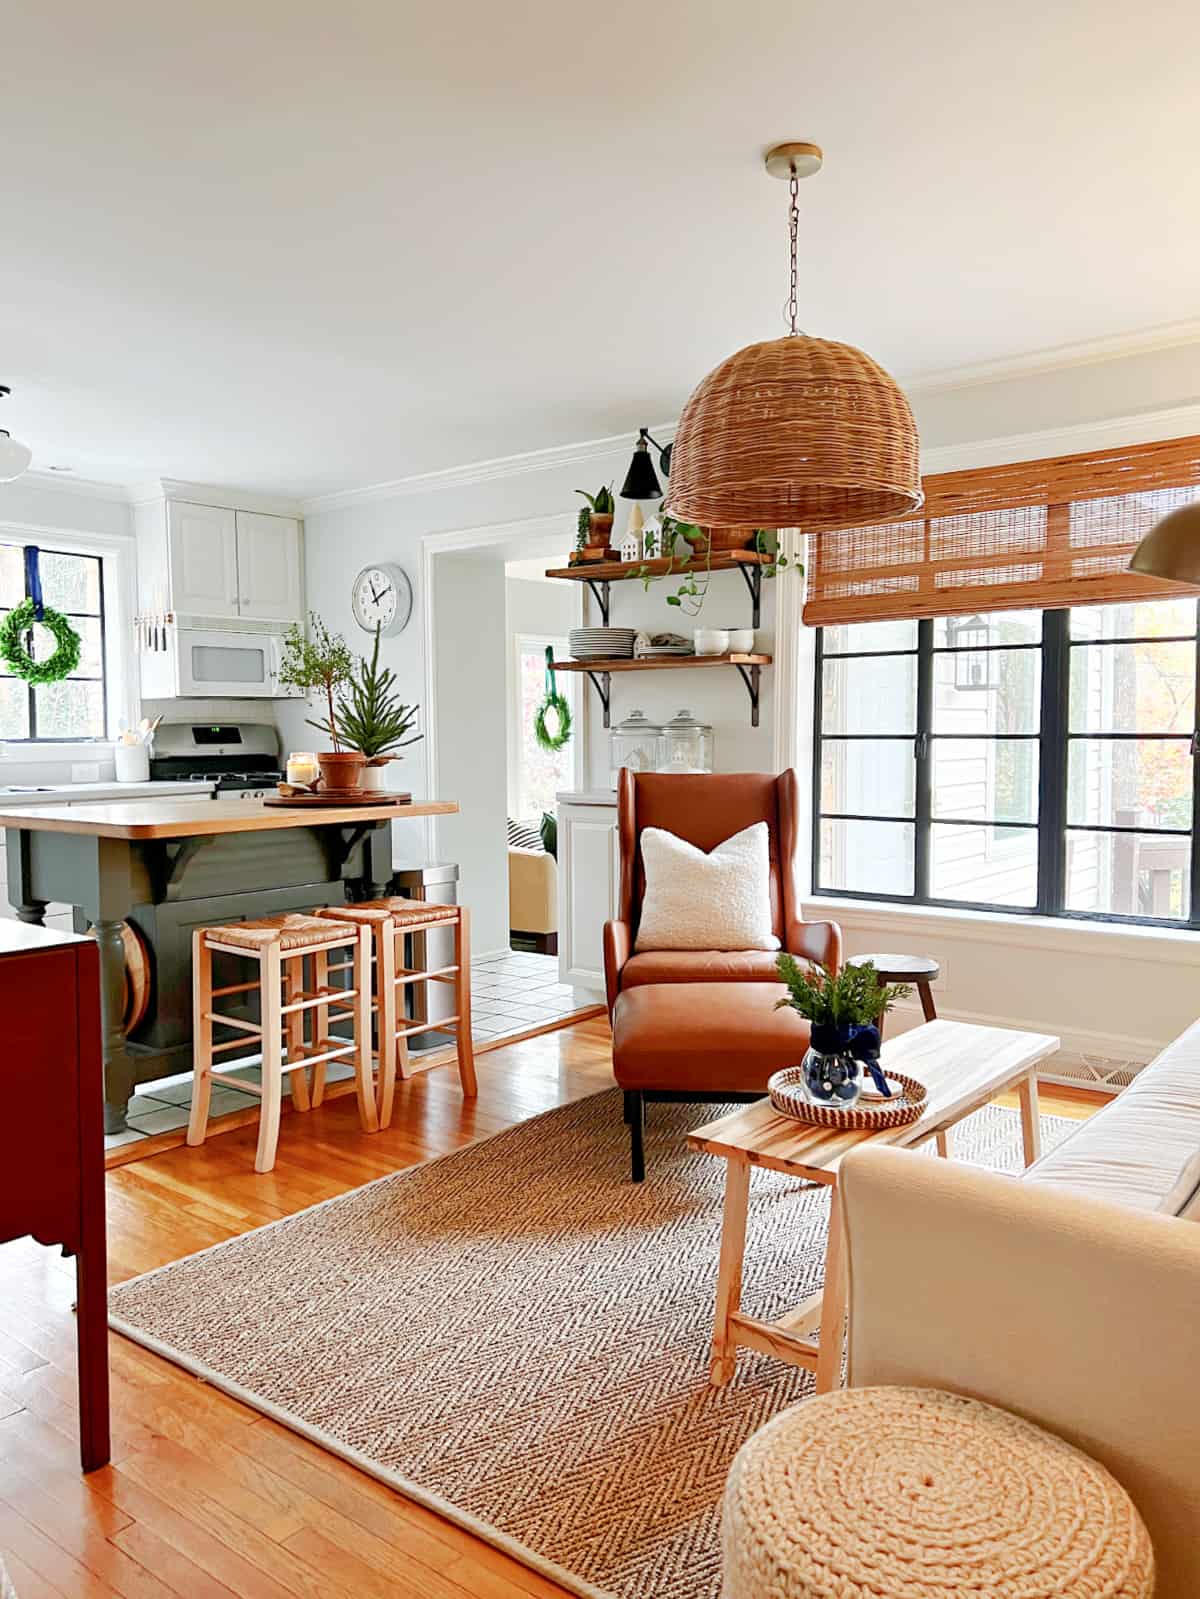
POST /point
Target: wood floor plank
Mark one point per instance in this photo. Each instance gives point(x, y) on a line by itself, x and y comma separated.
point(207, 1498)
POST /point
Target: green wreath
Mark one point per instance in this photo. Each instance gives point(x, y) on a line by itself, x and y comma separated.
point(12, 644)
point(553, 703)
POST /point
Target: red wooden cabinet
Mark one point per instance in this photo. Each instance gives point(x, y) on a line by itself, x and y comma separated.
point(52, 1134)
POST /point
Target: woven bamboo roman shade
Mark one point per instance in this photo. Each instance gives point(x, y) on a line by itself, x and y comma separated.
point(1034, 535)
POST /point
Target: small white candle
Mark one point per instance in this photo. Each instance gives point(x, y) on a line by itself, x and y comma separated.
point(302, 767)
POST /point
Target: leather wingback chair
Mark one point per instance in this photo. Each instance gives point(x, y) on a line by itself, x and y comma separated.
point(705, 809)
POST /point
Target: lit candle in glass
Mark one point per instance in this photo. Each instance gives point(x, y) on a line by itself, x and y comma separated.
point(302, 767)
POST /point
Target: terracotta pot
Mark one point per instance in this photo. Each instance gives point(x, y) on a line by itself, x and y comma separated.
point(730, 538)
point(374, 773)
point(341, 768)
point(600, 526)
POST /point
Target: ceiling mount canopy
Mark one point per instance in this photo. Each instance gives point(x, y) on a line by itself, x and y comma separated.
point(799, 431)
point(14, 456)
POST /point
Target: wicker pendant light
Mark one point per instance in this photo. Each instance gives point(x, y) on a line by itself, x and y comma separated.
point(795, 432)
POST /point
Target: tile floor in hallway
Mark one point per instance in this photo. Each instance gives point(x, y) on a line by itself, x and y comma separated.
point(510, 994)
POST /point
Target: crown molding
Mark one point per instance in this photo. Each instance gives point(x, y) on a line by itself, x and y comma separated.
point(1143, 427)
point(67, 483)
point(1057, 358)
point(504, 466)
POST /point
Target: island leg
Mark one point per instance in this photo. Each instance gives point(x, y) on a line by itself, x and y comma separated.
point(118, 1068)
point(28, 907)
point(379, 860)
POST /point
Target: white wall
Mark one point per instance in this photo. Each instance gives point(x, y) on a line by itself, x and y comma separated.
point(472, 730)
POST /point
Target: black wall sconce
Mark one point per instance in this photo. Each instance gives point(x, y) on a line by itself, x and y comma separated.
point(641, 481)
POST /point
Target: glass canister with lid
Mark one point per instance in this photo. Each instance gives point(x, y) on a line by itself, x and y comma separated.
point(687, 745)
point(637, 743)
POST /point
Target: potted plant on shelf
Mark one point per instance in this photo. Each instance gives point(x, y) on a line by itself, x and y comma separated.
point(600, 510)
point(319, 663)
point(372, 719)
point(843, 1010)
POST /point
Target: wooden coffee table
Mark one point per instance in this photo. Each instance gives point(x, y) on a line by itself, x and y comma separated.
point(962, 1066)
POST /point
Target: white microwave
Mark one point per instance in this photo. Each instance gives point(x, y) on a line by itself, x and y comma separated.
point(213, 662)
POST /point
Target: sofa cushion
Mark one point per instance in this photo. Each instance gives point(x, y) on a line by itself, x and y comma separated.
point(708, 1037)
point(1135, 1150)
point(697, 899)
point(1184, 1198)
point(700, 966)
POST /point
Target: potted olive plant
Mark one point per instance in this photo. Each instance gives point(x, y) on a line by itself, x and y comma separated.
point(319, 664)
point(843, 1010)
point(372, 719)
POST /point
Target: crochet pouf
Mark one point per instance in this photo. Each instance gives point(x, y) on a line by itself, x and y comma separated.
point(917, 1494)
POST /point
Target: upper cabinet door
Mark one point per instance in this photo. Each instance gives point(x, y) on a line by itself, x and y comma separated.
point(203, 551)
point(270, 567)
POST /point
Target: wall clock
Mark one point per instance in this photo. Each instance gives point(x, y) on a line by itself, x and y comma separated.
point(381, 596)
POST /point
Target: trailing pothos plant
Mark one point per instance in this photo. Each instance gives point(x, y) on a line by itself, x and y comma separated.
point(689, 597)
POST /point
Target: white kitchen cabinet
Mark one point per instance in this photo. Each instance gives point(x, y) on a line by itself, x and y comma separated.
point(202, 544)
point(270, 572)
point(589, 878)
point(218, 562)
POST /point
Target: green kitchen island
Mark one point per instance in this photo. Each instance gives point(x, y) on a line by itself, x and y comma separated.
point(164, 868)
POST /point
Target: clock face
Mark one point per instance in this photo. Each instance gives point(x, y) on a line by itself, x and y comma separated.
point(382, 597)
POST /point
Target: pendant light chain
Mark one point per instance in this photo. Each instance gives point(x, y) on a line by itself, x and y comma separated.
point(793, 305)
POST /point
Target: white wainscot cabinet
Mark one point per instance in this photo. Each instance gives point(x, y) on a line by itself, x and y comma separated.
point(589, 877)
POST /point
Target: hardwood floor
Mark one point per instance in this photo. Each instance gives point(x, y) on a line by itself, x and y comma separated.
point(205, 1499)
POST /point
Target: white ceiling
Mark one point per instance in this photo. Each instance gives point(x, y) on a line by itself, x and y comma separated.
point(298, 247)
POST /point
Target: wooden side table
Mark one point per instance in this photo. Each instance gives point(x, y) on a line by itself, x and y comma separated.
point(962, 1066)
point(918, 970)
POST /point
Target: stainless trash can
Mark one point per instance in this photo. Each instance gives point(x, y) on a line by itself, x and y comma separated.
point(437, 882)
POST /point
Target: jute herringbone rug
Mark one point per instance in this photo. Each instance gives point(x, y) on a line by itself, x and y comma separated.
point(517, 1335)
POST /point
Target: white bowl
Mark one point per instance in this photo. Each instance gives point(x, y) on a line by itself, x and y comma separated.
point(711, 640)
point(741, 640)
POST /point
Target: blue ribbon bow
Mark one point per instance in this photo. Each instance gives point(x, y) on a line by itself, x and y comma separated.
point(33, 581)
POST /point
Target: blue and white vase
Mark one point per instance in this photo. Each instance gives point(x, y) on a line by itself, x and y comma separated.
point(834, 1065)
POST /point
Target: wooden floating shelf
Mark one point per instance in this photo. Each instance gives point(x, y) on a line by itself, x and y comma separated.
point(661, 663)
point(749, 667)
point(661, 566)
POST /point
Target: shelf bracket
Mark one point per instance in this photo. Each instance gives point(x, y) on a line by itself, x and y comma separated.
point(600, 595)
point(751, 676)
point(602, 683)
point(753, 579)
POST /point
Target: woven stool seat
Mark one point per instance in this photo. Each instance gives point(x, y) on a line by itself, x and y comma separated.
point(405, 912)
point(290, 930)
point(913, 1493)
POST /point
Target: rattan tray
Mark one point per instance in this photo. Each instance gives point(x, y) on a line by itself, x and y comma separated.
point(869, 1115)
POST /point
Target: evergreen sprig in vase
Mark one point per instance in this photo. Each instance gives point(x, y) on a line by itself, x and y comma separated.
point(843, 1010)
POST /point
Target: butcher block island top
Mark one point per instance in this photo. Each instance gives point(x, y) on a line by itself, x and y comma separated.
point(146, 818)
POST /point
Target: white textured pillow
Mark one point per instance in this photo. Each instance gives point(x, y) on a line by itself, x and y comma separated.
point(699, 901)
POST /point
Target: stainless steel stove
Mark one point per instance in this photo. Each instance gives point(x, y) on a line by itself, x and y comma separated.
point(241, 758)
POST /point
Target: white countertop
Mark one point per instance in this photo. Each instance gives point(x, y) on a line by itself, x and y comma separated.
point(56, 793)
point(587, 796)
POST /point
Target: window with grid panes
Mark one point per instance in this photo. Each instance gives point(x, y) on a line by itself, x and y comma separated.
point(75, 708)
point(1021, 761)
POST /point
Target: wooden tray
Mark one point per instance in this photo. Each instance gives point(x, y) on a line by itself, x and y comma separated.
point(333, 798)
point(872, 1113)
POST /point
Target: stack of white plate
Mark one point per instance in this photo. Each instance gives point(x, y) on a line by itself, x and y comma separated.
point(601, 643)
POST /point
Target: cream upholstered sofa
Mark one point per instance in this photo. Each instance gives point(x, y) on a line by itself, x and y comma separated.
point(1070, 1295)
point(533, 897)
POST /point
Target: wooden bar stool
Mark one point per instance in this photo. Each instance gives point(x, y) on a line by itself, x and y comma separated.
point(281, 945)
point(390, 921)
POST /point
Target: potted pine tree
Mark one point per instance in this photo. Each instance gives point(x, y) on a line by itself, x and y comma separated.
point(372, 719)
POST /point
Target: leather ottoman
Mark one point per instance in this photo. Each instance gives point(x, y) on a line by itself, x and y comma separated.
point(699, 1041)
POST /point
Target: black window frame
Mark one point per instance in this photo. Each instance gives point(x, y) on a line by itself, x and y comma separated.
point(75, 677)
point(1054, 740)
